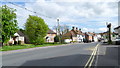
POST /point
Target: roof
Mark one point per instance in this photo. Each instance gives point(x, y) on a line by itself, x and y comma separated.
point(80, 32)
point(117, 27)
point(93, 34)
point(73, 33)
point(51, 32)
point(20, 33)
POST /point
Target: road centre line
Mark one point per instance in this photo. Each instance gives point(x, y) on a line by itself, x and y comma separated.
point(90, 60)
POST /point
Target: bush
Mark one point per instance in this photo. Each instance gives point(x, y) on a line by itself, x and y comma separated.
point(56, 39)
point(19, 42)
point(15, 42)
point(73, 41)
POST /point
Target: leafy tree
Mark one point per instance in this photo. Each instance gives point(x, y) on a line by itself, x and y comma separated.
point(9, 22)
point(36, 29)
point(0, 25)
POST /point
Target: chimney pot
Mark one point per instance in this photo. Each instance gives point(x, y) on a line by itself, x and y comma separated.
point(73, 27)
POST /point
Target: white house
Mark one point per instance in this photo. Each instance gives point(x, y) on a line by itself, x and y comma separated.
point(18, 36)
point(50, 36)
point(117, 31)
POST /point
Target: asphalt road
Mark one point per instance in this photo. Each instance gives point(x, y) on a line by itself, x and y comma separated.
point(70, 55)
point(108, 56)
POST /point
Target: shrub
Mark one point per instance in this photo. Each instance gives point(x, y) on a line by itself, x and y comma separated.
point(56, 39)
point(15, 42)
point(19, 42)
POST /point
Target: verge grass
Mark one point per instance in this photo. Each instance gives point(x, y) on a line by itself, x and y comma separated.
point(25, 46)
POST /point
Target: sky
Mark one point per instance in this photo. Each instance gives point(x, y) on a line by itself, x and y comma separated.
point(90, 16)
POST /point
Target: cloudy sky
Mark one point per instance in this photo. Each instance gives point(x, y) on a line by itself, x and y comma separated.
point(88, 15)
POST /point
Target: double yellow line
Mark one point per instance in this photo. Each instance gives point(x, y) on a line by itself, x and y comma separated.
point(91, 59)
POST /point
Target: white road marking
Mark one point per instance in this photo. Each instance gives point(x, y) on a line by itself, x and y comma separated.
point(90, 60)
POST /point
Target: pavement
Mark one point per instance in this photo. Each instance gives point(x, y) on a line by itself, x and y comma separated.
point(66, 55)
point(108, 56)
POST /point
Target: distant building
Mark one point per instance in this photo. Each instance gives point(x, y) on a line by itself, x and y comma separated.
point(74, 35)
point(117, 31)
point(50, 36)
point(105, 36)
point(92, 37)
point(18, 36)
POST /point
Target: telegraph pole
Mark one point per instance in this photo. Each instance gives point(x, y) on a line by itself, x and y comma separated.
point(109, 33)
point(59, 31)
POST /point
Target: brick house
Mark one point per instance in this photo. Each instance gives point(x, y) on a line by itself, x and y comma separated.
point(91, 37)
point(74, 35)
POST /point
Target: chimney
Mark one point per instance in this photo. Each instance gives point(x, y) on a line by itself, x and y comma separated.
point(76, 29)
point(73, 28)
point(67, 30)
point(79, 29)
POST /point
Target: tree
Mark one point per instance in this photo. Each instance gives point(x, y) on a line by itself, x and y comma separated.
point(62, 29)
point(0, 25)
point(36, 29)
point(9, 22)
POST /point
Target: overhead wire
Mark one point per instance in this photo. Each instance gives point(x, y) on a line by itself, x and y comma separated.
point(31, 10)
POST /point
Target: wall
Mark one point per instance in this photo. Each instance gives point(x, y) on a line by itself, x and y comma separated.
point(74, 38)
point(51, 37)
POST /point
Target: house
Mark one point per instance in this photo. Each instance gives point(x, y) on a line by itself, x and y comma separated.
point(117, 31)
point(99, 37)
point(88, 37)
point(74, 35)
point(94, 37)
point(18, 36)
point(50, 36)
point(105, 36)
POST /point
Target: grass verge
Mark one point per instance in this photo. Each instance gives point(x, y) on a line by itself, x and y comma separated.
point(25, 46)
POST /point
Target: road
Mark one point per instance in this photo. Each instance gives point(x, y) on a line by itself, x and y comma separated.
point(69, 55)
point(108, 55)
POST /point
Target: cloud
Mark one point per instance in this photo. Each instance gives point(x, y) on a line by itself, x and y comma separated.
point(88, 15)
point(102, 29)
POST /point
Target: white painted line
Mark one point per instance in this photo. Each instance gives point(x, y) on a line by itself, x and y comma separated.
point(93, 58)
point(90, 60)
point(97, 57)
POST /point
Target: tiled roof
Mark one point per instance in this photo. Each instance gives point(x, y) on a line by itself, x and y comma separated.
point(20, 33)
point(73, 33)
point(117, 27)
point(51, 32)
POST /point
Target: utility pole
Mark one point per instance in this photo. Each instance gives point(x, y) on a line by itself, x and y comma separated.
point(59, 31)
point(109, 33)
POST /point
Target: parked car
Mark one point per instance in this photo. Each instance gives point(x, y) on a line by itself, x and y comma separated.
point(104, 40)
point(117, 41)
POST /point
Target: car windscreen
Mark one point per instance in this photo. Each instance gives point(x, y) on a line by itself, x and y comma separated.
point(118, 38)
